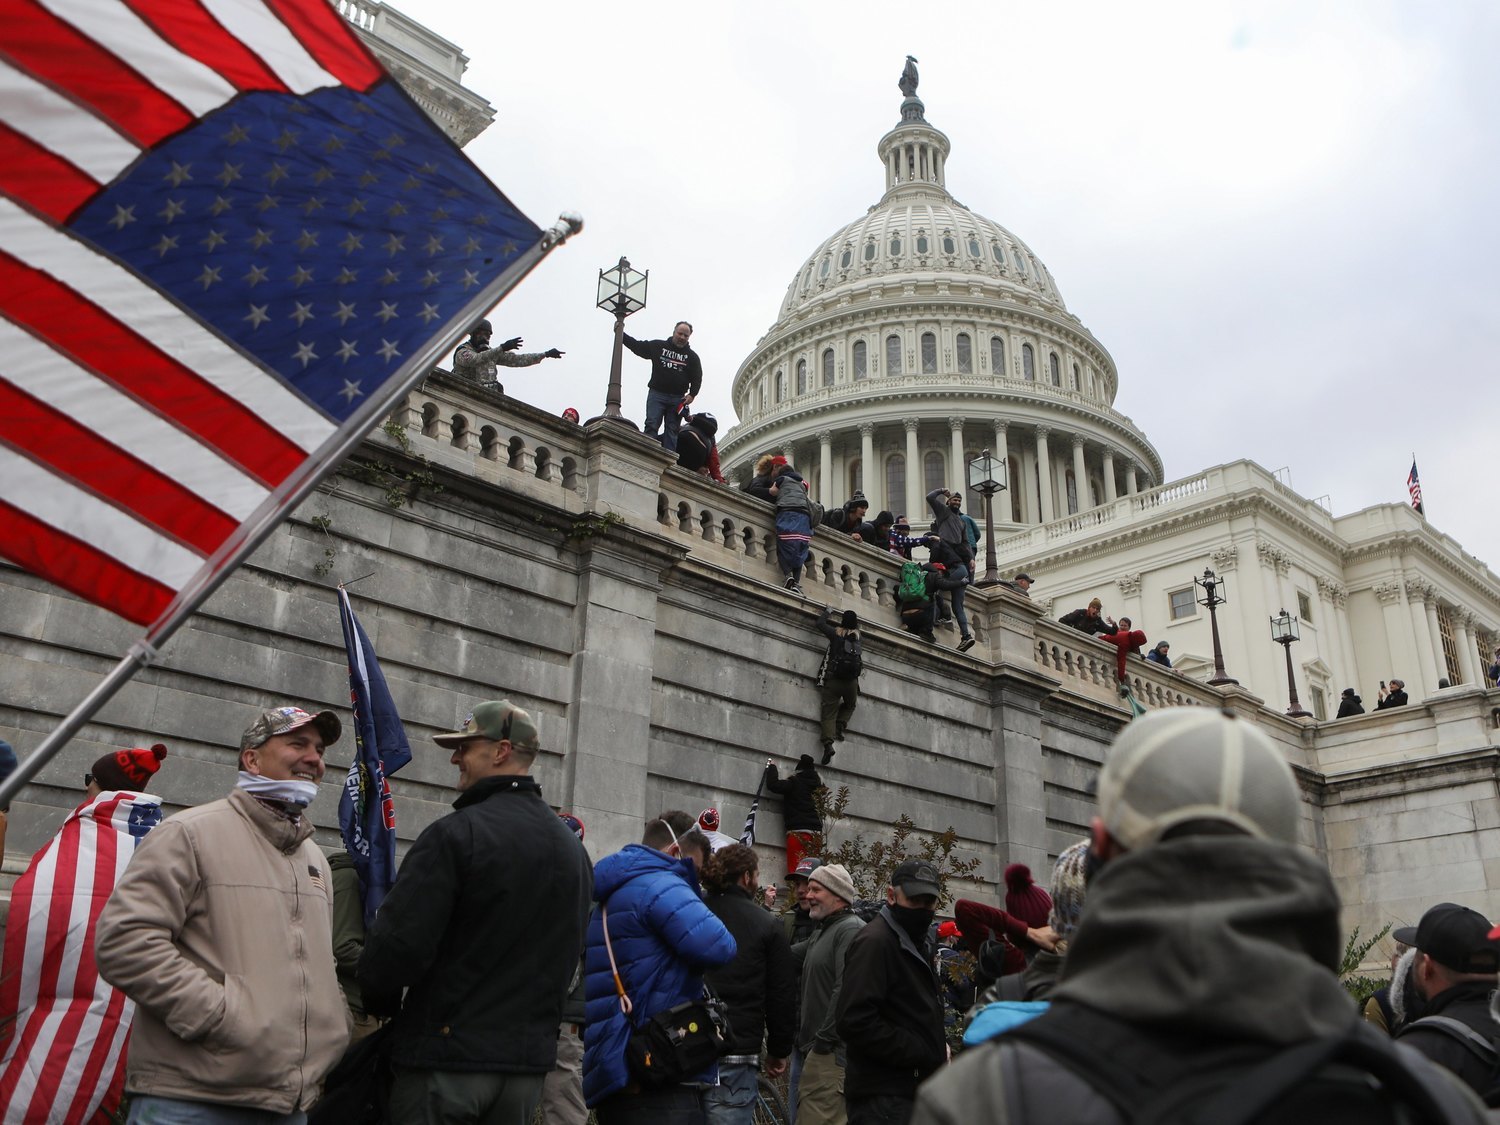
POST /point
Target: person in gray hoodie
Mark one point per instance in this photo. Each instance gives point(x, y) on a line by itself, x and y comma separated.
point(1199, 887)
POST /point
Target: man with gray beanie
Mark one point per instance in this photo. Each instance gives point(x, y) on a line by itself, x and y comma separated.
point(820, 1092)
point(1200, 982)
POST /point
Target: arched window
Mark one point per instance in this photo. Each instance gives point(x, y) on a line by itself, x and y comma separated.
point(1077, 382)
point(929, 354)
point(856, 477)
point(847, 258)
point(1015, 489)
point(895, 481)
point(999, 253)
point(997, 355)
point(921, 244)
point(895, 246)
point(1028, 363)
point(870, 251)
point(802, 376)
point(932, 471)
point(1072, 492)
point(893, 355)
point(964, 350)
point(762, 394)
point(828, 367)
point(823, 269)
point(975, 251)
point(780, 386)
point(950, 247)
point(1053, 369)
point(1021, 262)
point(861, 359)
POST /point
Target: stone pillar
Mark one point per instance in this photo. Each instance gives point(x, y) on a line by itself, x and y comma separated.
point(914, 505)
point(1435, 637)
point(1467, 651)
point(1020, 796)
point(957, 475)
point(1130, 488)
point(1399, 640)
point(1001, 451)
point(1080, 474)
point(1426, 670)
point(825, 469)
point(869, 472)
point(1044, 473)
point(1109, 476)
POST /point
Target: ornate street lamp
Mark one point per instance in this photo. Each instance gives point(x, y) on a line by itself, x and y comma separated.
point(622, 291)
point(1284, 631)
point(986, 475)
point(1213, 597)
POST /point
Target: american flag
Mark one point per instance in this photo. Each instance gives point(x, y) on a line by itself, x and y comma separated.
point(228, 241)
point(1414, 487)
point(64, 1054)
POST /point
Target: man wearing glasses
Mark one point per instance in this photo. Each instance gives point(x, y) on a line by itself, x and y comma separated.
point(483, 928)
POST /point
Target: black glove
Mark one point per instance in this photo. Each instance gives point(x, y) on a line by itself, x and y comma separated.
point(511, 345)
point(553, 353)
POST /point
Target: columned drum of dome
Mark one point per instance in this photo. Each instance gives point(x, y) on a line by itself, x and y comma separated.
point(918, 335)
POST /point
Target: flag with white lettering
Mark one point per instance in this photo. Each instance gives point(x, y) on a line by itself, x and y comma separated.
point(367, 811)
point(747, 837)
point(225, 236)
point(1414, 488)
point(65, 1028)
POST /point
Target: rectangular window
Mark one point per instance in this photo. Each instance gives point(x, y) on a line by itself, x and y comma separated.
point(1319, 706)
point(1182, 603)
point(1304, 607)
point(1450, 645)
point(895, 482)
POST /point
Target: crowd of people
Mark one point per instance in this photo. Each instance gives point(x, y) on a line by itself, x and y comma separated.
point(1182, 964)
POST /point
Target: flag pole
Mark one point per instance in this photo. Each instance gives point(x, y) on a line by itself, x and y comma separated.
point(265, 519)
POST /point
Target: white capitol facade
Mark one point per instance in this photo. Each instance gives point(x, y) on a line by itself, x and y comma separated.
point(922, 332)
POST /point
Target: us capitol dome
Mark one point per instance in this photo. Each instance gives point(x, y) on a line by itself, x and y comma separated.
point(918, 335)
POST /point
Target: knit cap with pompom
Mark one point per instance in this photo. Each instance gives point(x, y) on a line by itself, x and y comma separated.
point(1024, 899)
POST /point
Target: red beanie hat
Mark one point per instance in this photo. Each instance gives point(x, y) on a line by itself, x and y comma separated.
point(708, 820)
point(1024, 899)
point(129, 769)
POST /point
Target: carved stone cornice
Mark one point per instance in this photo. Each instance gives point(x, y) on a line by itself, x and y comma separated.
point(1273, 556)
point(1332, 590)
point(1129, 584)
point(1420, 590)
point(1387, 592)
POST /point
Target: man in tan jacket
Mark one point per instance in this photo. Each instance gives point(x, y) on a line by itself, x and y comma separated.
point(220, 930)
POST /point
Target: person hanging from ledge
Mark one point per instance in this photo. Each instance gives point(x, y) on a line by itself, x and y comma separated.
point(1126, 640)
point(838, 678)
point(794, 522)
point(697, 449)
point(476, 360)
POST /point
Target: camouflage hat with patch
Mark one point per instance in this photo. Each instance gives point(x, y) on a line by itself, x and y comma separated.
point(283, 720)
point(499, 719)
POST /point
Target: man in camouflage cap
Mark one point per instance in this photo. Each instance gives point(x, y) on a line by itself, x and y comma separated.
point(482, 930)
point(476, 360)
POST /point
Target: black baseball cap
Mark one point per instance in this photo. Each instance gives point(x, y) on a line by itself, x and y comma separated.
point(1455, 937)
point(917, 877)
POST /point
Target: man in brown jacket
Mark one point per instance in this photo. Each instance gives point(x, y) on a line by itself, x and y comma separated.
point(220, 930)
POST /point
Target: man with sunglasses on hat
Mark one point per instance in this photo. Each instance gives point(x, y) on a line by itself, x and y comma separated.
point(482, 930)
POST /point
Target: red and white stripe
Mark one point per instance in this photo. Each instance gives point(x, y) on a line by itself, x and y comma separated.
point(64, 1057)
point(133, 441)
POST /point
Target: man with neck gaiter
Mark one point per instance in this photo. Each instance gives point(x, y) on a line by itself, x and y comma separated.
point(220, 930)
point(890, 1009)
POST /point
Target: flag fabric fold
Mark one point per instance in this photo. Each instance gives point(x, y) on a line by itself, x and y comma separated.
point(64, 1049)
point(747, 837)
point(367, 811)
point(226, 236)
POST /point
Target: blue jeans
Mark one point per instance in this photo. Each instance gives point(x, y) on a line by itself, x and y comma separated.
point(960, 571)
point(794, 1076)
point(147, 1110)
point(662, 410)
point(732, 1101)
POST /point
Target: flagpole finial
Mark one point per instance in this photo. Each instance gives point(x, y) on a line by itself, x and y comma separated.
point(568, 224)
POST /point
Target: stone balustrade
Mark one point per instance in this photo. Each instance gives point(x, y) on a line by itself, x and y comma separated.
point(1086, 666)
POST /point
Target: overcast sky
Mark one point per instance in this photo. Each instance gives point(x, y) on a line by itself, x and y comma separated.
point(1279, 218)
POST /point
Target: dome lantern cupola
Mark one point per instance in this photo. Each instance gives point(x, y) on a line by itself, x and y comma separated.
point(914, 153)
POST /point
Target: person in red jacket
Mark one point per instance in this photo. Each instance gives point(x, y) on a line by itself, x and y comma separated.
point(1125, 639)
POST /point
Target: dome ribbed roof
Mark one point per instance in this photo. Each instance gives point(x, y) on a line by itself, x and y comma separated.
point(917, 229)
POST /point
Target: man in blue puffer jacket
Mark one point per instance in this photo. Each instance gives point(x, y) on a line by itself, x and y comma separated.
point(663, 937)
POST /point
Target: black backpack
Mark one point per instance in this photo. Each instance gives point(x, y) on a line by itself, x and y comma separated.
point(1357, 1076)
point(845, 658)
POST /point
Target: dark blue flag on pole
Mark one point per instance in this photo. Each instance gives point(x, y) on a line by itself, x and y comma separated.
point(747, 837)
point(367, 812)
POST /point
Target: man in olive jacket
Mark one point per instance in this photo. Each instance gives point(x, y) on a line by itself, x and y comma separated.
point(220, 930)
point(484, 928)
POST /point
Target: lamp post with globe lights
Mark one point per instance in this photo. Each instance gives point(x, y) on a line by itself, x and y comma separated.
point(622, 291)
point(1284, 631)
point(986, 475)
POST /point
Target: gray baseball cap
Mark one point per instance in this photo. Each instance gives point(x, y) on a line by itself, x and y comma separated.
point(1196, 763)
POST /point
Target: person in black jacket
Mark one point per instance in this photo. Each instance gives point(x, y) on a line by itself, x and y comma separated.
point(1394, 696)
point(697, 449)
point(758, 987)
point(483, 929)
point(838, 678)
point(890, 1008)
point(1089, 620)
point(1455, 972)
point(918, 618)
point(676, 376)
point(1349, 704)
point(799, 812)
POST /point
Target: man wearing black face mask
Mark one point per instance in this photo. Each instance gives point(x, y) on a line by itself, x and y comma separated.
point(890, 1010)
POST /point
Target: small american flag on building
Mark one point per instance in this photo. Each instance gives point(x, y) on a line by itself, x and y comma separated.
point(1414, 487)
point(226, 238)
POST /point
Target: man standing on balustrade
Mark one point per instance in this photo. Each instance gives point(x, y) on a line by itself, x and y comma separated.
point(676, 376)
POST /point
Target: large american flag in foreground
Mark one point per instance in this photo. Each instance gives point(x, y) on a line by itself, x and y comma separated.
point(64, 1055)
point(225, 236)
